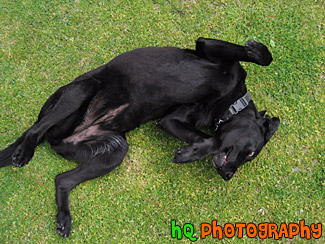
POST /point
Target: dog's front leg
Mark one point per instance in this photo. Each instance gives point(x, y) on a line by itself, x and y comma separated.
point(216, 50)
point(196, 151)
point(181, 124)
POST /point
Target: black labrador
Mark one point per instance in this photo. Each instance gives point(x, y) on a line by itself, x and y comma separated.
point(86, 120)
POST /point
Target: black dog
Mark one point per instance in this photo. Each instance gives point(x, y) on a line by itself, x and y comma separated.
point(87, 119)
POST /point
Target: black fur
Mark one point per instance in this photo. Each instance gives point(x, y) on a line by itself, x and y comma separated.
point(87, 119)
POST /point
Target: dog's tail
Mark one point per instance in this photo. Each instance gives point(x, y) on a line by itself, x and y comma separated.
point(6, 154)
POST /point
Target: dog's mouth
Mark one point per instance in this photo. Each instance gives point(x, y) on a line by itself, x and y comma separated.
point(219, 161)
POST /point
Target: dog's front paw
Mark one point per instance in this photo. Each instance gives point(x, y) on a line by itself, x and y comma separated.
point(21, 156)
point(185, 154)
point(64, 224)
point(258, 52)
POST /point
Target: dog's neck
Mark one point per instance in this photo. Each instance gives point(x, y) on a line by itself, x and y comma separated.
point(235, 108)
point(215, 107)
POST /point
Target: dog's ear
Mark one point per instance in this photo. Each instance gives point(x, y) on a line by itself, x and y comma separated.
point(271, 125)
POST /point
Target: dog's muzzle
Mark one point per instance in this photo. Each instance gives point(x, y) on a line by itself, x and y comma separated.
point(219, 161)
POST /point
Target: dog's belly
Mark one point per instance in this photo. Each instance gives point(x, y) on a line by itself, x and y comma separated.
point(146, 84)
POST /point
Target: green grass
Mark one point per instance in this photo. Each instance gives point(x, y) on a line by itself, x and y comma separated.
point(45, 44)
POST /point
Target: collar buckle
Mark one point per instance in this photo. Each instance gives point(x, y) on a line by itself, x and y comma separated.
point(240, 104)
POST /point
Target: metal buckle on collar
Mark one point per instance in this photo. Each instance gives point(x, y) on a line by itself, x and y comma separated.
point(217, 124)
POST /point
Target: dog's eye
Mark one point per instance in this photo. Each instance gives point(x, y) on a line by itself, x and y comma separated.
point(251, 154)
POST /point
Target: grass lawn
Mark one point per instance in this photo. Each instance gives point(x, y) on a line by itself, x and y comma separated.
point(46, 44)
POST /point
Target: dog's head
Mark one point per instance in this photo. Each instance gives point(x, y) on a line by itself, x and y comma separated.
point(241, 139)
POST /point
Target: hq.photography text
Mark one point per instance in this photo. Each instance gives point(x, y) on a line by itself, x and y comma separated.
point(251, 230)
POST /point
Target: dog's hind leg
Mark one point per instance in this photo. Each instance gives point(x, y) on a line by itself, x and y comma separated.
point(6, 154)
point(65, 101)
point(98, 156)
point(215, 50)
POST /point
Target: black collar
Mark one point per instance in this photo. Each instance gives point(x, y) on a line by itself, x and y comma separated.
point(234, 109)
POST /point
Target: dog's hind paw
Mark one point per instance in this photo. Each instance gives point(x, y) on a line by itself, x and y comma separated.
point(64, 225)
point(258, 52)
point(21, 156)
